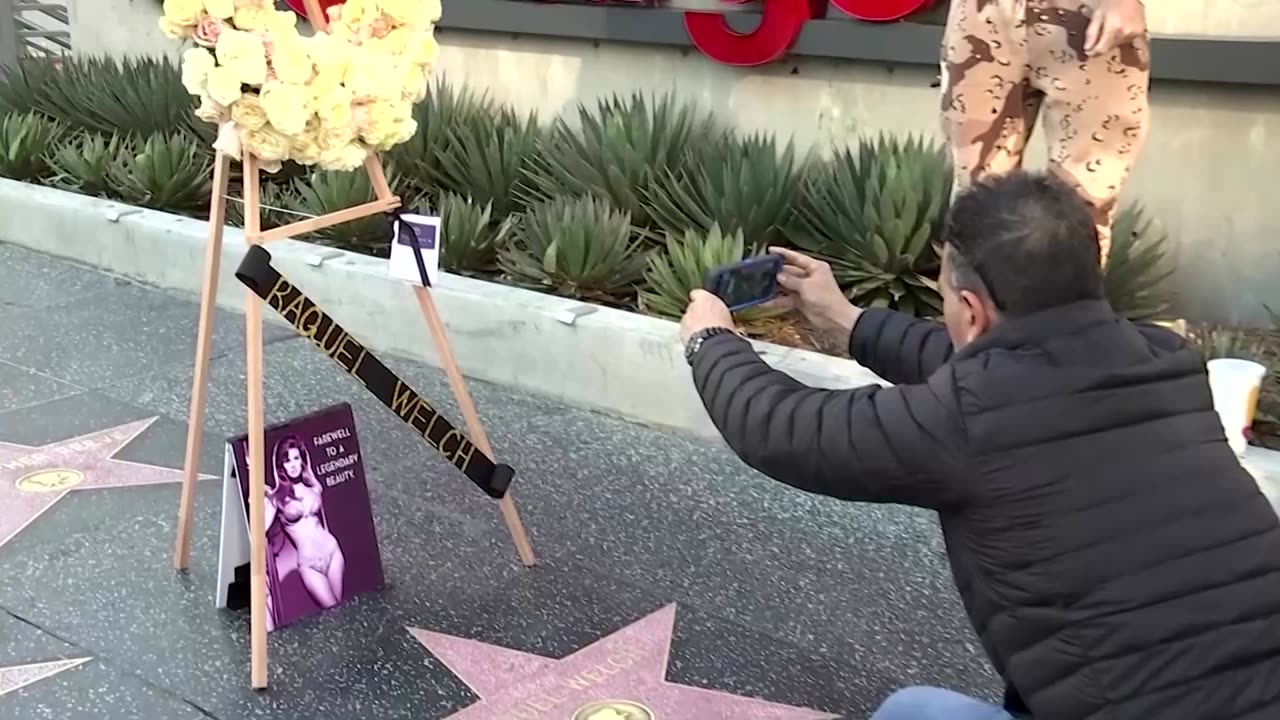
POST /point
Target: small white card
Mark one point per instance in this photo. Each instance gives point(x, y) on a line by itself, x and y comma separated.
point(416, 234)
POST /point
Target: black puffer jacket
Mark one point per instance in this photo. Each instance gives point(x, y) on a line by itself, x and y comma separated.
point(1115, 559)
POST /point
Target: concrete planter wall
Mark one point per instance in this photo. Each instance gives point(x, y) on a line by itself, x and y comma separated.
point(616, 362)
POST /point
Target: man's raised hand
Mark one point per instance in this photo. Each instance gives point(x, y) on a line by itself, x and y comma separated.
point(808, 285)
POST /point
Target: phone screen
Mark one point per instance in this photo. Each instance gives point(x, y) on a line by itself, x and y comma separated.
point(750, 283)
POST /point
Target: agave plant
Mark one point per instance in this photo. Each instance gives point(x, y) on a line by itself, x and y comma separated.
point(324, 192)
point(578, 247)
point(137, 96)
point(683, 264)
point(20, 85)
point(618, 151)
point(488, 159)
point(447, 109)
point(24, 141)
point(275, 200)
point(1137, 266)
point(166, 171)
point(877, 216)
point(472, 240)
point(82, 162)
point(745, 185)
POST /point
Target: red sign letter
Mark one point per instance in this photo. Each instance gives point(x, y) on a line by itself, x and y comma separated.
point(880, 10)
point(780, 25)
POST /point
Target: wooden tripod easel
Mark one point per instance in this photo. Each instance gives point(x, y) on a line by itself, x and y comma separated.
point(385, 202)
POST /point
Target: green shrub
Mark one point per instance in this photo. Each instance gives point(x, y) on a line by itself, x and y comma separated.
point(24, 140)
point(489, 159)
point(617, 151)
point(20, 85)
point(323, 192)
point(682, 266)
point(447, 109)
point(165, 172)
point(82, 162)
point(137, 96)
point(745, 185)
point(578, 247)
point(1138, 265)
point(472, 240)
point(275, 202)
point(877, 217)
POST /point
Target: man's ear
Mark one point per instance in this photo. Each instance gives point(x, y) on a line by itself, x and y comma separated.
point(979, 315)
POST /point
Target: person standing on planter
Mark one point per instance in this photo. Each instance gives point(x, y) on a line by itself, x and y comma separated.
point(1081, 66)
point(1114, 558)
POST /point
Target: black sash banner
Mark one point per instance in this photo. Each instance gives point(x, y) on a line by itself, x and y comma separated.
point(311, 322)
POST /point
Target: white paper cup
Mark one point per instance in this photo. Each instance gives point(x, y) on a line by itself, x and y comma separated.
point(1235, 385)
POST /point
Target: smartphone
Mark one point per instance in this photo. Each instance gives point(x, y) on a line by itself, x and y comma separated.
point(746, 283)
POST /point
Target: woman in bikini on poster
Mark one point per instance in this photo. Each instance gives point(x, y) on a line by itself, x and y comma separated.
point(295, 497)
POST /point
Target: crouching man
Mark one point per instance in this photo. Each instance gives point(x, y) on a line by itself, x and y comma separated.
point(1113, 556)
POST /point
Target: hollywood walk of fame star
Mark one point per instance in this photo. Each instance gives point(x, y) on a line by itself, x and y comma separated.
point(32, 479)
point(620, 677)
point(19, 676)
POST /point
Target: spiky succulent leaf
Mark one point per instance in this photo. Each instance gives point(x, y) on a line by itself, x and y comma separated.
point(166, 171)
point(82, 162)
point(1138, 265)
point(579, 247)
point(324, 192)
point(488, 159)
point(682, 266)
point(275, 202)
point(24, 143)
point(447, 109)
point(20, 85)
point(472, 239)
point(617, 151)
point(876, 215)
point(135, 96)
point(744, 184)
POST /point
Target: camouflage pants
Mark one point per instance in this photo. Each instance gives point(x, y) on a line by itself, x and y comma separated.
point(1005, 62)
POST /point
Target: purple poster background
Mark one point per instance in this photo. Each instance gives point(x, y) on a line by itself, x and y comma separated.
point(322, 547)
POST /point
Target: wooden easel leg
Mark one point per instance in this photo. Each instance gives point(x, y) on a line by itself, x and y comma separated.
point(257, 437)
point(474, 427)
point(200, 376)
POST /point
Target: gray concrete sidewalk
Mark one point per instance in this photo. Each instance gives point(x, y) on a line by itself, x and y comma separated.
point(779, 595)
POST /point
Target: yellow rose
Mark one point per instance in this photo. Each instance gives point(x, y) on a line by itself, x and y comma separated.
point(374, 75)
point(183, 12)
point(423, 48)
point(224, 85)
point(288, 107)
point(347, 158)
point(250, 18)
point(334, 106)
point(388, 124)
point(247, 112)
point(331, 138)
point(196, 64)
point(267, 144)
point(331, 58)
point(244, 54)
point(415, 85)
point(282, 22)
point(221, 9)
point(292, 63)
point(304, 149)
point(175, 31)
point(433, 10)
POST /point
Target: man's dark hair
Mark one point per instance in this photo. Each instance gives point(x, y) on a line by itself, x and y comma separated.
point(1025, 240)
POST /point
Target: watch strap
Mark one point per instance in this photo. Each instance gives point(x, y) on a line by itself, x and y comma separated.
point(699, 338)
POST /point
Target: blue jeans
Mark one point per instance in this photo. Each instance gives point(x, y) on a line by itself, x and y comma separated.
point(930, 703)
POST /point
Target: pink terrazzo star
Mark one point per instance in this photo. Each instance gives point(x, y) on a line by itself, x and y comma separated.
point(32, 479)
point(620, 677)
point(19, 676)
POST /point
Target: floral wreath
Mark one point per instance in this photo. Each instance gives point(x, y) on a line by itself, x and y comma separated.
point(331, 99)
